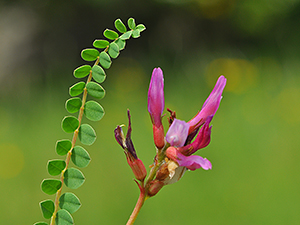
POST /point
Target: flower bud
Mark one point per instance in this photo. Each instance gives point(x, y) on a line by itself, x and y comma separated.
point(156, 104)
point(162, 172)
point(154, 187)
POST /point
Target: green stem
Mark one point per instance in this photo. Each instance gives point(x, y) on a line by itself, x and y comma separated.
point(68, 158)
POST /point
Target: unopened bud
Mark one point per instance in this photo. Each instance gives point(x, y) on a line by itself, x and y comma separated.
point(154, 187)
point(162, 172)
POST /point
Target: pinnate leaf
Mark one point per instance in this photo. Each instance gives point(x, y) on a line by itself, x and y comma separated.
point(120, 26)
point(87, 134)
point(70, 124)
point(100, 43)
point(63, 146)
point(93, 111)
point(96, 90)
point(50, 186)
point(90, 54)
point(56, 166)
point(77, 89)
point(69, 202)
point(82, 71)
point(110, 34)
point(63, 217)
point(105, 60)
point(113, 50)
point(80, 157)
point(73, 178)
point(98, 73)
point(47, 208)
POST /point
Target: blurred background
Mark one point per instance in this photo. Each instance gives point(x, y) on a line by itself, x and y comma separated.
point(255, 136)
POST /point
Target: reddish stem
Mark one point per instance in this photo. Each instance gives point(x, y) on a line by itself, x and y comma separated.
point(138, 205)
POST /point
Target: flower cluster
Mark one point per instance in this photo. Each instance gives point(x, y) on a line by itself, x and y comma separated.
point(175, 149)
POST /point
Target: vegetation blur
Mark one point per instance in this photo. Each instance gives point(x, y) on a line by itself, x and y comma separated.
point(255, 135)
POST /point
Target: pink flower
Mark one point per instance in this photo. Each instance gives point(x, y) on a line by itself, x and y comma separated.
point(210, 106)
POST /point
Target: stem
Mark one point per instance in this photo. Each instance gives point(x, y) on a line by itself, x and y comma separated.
point(68, 158)
point(138, 205)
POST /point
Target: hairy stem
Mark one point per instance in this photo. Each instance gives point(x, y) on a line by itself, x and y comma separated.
point(75, 135)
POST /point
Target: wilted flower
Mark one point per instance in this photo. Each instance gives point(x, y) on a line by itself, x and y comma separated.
point(134, 162)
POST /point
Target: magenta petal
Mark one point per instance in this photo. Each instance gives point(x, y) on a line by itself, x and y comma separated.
point(210, 106)
point(194, 162)
point(156, 101)
point(177, 133)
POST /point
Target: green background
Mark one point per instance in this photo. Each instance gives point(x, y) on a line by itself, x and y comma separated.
point(255, 137)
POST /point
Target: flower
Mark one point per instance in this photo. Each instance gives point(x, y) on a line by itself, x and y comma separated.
point(156, 104)
point(134, 162)
point(179, 136)
point(210, 106)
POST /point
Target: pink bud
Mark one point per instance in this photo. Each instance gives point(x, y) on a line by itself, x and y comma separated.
point(156, 104)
